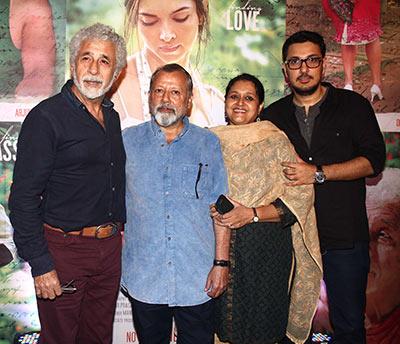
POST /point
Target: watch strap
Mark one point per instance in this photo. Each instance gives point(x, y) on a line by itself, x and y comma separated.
point(221, 262)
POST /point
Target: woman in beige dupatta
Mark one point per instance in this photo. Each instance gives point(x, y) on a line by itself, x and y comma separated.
point(275, 262)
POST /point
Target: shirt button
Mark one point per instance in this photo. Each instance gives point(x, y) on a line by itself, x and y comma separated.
point(162, 145)
point(169, 238)
point(310, 158)
point(168, 216)
point(113, 188)
point(111, 163)
point(110, 213)
point(167, 192)
point(169, 263)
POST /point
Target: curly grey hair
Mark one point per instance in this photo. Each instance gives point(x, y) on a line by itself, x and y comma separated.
point(102, 32)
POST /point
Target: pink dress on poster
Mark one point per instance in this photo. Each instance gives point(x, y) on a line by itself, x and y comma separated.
point(365, 26)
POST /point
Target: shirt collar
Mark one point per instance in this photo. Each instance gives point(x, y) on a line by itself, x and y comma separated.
point(313, 108)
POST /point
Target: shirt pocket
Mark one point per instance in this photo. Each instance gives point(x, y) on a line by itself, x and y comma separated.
point(196, 180)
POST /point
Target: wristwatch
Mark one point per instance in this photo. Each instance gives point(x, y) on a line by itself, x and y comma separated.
point(222, 262)
point(255, 217)
point(319, 175)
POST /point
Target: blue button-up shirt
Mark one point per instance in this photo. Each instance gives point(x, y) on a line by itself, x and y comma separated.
point(169, 237)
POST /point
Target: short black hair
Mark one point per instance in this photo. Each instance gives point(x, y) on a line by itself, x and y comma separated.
point(302, 37)
point(248, 77)
point(170, 68)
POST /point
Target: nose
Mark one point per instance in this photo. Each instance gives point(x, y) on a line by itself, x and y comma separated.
point(93, 67)
point(303, 67)
point(167, 33)
point(165, 97)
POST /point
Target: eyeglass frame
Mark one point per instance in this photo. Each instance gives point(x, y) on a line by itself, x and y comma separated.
point(320, 59)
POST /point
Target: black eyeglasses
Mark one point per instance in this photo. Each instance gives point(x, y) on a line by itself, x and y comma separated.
point(311, 62)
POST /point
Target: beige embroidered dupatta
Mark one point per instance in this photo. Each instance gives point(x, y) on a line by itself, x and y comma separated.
point(252, 155)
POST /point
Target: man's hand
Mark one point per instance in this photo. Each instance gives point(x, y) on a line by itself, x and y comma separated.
point(217, 281)
point(299, 173)
point(47, 286)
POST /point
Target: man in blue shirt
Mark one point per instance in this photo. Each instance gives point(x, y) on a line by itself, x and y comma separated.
point(174, 260)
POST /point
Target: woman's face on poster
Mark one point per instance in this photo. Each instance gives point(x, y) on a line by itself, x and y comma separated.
point(168, 28)
point(384, 278)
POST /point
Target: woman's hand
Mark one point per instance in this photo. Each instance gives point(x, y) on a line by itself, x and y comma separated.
point(236, 218)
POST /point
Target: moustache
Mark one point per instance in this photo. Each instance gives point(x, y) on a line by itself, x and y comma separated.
point(304, 75)
point(165, 107)
point(92, 79)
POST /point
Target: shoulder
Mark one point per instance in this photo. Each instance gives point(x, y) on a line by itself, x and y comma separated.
point(203, 134)
point(350, 103)
point(136, 132)
point(281, 103)
point(49, 107)
point(278, 107)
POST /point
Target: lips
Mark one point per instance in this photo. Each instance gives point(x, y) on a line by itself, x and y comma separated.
point(93, 82)
point(304, 78)
point(239, 110)
point(169, 48)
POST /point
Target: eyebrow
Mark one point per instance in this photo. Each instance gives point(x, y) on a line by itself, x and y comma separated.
point(298, 57)
point(91, 54)
point(174, 12)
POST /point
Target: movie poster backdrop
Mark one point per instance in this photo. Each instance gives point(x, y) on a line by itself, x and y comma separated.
point(246, 36)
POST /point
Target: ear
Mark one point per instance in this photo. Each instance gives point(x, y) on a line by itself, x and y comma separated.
point(284, 72)
point(190, 106)
point(116, 76)
point(324, 63)
point(260, 107)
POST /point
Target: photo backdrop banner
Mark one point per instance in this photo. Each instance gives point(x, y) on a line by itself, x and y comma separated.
point(245, 36)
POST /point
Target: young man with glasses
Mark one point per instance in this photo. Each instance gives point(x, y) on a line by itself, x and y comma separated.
point(337, 138)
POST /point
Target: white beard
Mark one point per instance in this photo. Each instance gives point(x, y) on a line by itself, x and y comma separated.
point(88, 92)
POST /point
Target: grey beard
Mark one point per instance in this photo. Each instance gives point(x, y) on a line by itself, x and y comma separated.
point(167, 119)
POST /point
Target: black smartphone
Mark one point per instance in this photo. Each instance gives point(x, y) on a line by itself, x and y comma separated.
point(223, 205)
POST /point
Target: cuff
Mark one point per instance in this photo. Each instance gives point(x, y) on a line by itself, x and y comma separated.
point(41, 265)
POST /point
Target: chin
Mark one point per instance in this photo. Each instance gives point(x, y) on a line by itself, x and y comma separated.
point(305, 90)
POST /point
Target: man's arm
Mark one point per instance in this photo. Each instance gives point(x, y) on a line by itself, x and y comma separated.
point(217, 279)
point(301, 173)
point(369, 151)
point(34, 165)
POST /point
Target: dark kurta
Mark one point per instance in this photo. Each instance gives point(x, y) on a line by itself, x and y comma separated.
point(255, 307)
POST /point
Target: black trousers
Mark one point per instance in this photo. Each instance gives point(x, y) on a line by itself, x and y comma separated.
point(153, 323)
point(345, 275)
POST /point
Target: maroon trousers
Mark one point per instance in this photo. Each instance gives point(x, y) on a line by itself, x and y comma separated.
point(86, 316)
